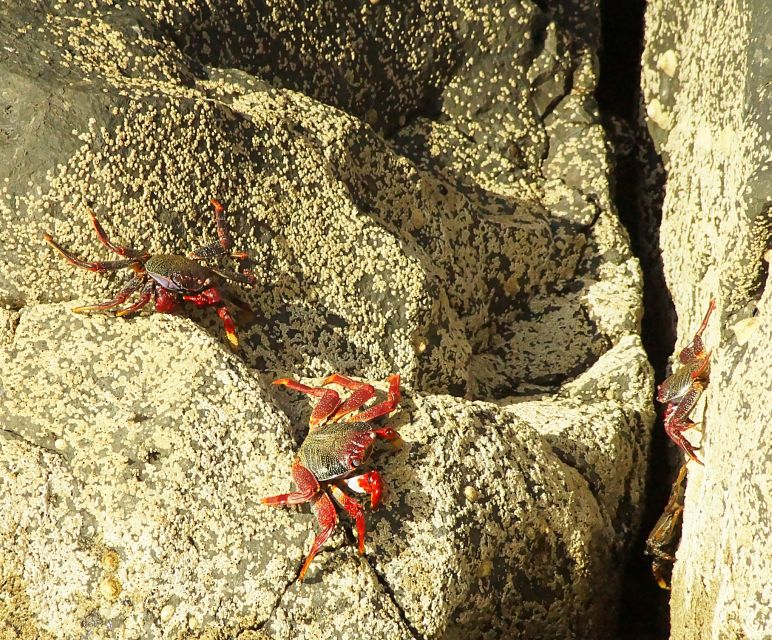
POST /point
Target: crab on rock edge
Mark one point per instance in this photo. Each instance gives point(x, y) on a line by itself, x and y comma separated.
point(681, 390)
point(340, 440)
point(169, 279)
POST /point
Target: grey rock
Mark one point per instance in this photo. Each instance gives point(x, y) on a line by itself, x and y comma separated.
point(706, 85)
point(474, 251)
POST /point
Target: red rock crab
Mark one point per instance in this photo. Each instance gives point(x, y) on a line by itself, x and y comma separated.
point(681, 390)
point(339, 442)
point(169, 279)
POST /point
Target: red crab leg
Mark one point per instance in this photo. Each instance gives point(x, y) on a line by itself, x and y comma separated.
point(308, 487)
point(674, 431)
point(130, 287)
point(330, 400)
point(328, 518)
point(224, 239)
point(685, 406)
point(676, 422)
point(355, 510)
point(362, 393)
point(696, 348)
point(98, 266)
point(308, 491)
point(385, 407)
point(121, 250)
point(144, 298)
point(211, 298)
point(369, 483)
point(224, 236)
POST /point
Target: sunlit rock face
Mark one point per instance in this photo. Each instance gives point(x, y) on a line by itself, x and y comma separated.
point(422, 191)
point(708, 113)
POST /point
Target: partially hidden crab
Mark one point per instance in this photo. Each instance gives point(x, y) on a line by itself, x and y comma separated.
point(168, 278)
point(666, 533)
point(339, 442)
point(681, 390)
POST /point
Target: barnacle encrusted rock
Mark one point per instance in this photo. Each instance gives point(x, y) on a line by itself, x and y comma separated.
point(709, 113)
point(424, 191)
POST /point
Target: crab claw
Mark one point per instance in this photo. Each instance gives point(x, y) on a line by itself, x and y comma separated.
point(369, 482)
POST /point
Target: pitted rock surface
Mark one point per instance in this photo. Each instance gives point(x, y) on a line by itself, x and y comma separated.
point(708, 112)
point(424, 192)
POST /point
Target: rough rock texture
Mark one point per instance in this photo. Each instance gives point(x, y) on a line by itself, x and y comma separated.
point(709, 113)
point(423, 191)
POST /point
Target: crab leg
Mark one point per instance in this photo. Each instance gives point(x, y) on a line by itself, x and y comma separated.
point(385, 407)
point(329, 402)
point(244, 278)
point(696, 349)
point(362, 393)
point(224, 239)
point(676, 420)
point(130, 287)
point(308, 487)
point(328, 518)
point(211, 298)
point(355, 510)
point(121, 250)
point(308, 491)
point(144, 298)
point(98, 266)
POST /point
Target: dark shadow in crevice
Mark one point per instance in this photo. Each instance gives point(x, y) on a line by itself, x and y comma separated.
point(638, 187)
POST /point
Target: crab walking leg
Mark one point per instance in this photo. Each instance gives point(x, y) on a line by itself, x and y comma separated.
point(244, 278)
point(696, 349)
point(675, 432)
point(328, 403)
point(309, 491)
point(130, 287)
point(385, 407)
point(327, 516)
point(144, 298)
point(211, 298)
point(355, 510)
point(224, 239)
point(676, 420)
point(121, 250)
point(684, 407)
point(308, 487)
point(362, 393)
point(223, 233)
point(99, 266)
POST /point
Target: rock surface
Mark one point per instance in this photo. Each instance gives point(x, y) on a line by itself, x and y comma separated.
point(709, 113)
point(423, 193)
